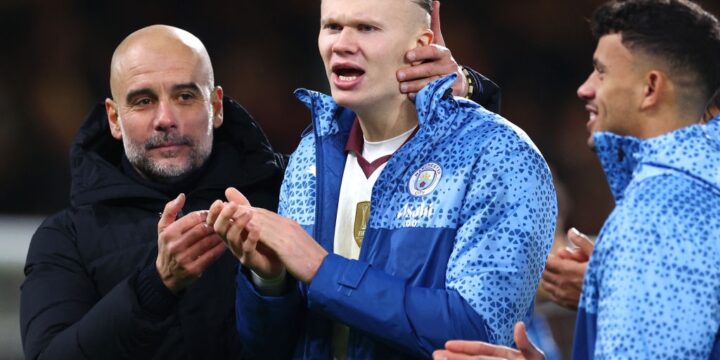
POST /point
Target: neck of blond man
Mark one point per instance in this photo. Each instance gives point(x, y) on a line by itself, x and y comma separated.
point(388, 120)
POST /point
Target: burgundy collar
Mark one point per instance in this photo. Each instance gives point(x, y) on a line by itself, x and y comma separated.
point(356, 143)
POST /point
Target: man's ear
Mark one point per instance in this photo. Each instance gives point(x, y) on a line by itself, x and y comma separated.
point(113, 118)
point(217, 103)
point(425, 38)
point(655, 88)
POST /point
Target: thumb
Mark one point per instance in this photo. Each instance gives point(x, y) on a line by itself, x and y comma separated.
point(581, 240)
point(170, 212)
point(235, 196)
point(435, 24)
point(526, 347)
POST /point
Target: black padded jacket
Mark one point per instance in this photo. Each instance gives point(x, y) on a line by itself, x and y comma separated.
point(85, 295)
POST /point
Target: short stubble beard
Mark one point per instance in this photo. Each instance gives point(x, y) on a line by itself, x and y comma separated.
point(168, 174)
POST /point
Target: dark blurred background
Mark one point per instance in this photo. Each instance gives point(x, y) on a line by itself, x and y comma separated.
point(54, 67)
point(56, 56)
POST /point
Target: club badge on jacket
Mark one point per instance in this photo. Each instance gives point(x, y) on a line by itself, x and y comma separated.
point(362, 214)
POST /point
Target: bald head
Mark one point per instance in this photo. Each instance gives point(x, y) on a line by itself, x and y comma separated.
point(165, 104)
point(157, 43)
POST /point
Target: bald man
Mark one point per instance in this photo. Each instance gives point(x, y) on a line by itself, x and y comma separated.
point(401, 224)
point(108, 277)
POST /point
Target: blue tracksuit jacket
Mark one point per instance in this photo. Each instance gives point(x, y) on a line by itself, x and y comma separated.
point(652, 288)
point(460, 226)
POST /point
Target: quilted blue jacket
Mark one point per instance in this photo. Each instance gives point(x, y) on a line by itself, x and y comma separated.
point(460, 226)
point(652, 288)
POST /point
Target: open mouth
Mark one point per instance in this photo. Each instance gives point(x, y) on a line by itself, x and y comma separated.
point(592, 116)
point(347, 72)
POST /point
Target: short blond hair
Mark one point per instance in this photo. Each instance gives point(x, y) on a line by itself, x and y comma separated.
point(425, 4)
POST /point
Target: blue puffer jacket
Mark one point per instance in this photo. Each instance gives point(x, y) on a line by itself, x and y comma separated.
point(652, 288)
point(461, 223)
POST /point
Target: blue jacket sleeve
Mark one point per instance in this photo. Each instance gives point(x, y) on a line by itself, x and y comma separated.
point(500, 247)
point(654, 277)
point(269, 325)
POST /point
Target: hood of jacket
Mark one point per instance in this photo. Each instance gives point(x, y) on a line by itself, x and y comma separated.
point(241, 156)
point(692, 151)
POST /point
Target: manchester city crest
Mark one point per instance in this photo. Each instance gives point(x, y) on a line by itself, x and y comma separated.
point(425, 179)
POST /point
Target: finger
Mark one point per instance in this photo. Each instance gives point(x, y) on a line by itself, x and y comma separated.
point(449, 355)
point(170, 212)
point(214, 211)
point(569, 280)
point(563, 271)
point(263, 226)
point(561, 296)
point(433, 62)
point(553, 264)
point(479, 348)
point(520, 336)
point(248, 248)
point(564, 253)
point(262, 233)
point(427, 53)
point(553, 292)
point(551, 278)
point(581, 240)
point(188, 222)
point(413, 87)
point(440, 355)
point(180, 244)
point(548, 287)
point(250, 243)
point(435, 24)
point(526, 347)
point(574, 254)
point(234, 235)
point(209, 257)
point(235, 196)
point(194, 249)
point(222, 223)
point(267, 263)
point(460, 86)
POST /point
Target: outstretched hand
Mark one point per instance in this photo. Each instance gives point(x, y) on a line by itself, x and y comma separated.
point(476, 350)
